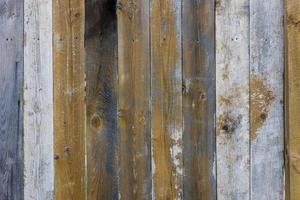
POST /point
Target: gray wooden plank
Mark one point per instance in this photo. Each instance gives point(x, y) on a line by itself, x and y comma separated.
point(11, 103)
point(199, 98)
point(232, 88)
point(38, 101)
point(266, 99)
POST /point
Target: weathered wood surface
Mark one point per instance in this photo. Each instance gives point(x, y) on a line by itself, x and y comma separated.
point(199, 99)
point(293, 98)
point(266, 99)
point(134, 99)
point(232, 89)
point(11, 102)
point(38, 101)
point(102, 111)
point(69, 104)
point(166, 91)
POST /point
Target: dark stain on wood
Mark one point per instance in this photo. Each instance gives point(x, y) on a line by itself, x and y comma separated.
point(228, 123)
point(11, 100)
point(101, 87)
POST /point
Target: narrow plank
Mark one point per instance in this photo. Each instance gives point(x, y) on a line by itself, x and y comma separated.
point(102, 111)
point(69, 93)
point(38, 98)
point(232, 88)
point(266, 99)
point(199, 99)
point(293, 97)
point(134, 98)
point(166, 91)
point(11, 101)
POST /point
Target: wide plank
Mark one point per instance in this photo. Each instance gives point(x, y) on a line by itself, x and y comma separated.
point(102, 109)
point(134, 99)
point(11, 101)
point(166, 97)
point(266, 99)
point(232, 107)
point(292, 46)
point(38, 101)
point(69, 102)
point(199, 99)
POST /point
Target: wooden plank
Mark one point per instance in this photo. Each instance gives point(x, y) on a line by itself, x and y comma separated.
point(199, 99)
point(101, 67)
point(11, 101)
point(266, 99)
point(69, 93)
point(232, 112)
point(293, 97)
point(166, 91)
point(38, 98)
point(134, 98)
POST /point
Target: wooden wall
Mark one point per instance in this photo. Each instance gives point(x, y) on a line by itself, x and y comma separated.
point(149, 99)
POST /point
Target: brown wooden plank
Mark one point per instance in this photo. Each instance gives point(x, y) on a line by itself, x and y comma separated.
point(134, 97)
point(199, 99)
point(293, 98)
point(11, 102)
point(69, 106)
point(101, 69)
point(166, 91)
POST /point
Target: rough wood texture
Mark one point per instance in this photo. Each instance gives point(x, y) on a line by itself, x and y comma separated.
point(293, 98)
point(11, 102)
point(134, 99)
point(101, 68)
point(232, 88)
point(38, 101)
point(266, 99)
point(166, 91)
point(199, 99)
point(69, 86)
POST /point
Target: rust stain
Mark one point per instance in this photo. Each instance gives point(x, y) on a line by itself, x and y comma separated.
point(228, 99)
point(261, 99)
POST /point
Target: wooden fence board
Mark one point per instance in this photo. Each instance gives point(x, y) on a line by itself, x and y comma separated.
point(101, 68)
point(134, 99)
point(199, 99)
point(293, 98)
point(232, 88)
point(11, 102)
point(38, 98)
point(166, 91)
point(266, 99)
point(69, 105)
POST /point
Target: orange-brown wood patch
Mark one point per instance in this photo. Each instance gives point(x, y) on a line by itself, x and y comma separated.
point(69, 111)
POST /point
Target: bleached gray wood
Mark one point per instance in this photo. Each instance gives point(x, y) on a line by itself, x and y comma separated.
point(266, 80)
point(38, 101)
point(11, 109)
point(232, 91)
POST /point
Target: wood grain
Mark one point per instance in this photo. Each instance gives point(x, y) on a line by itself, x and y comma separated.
point(232, 89)
point(166, 91)
point(293, 98)
point(38, 101)
point(11, 101)
point(266, 99)
point(69, 104)
point(134, 99)
point(199, 99)
point(102, 110)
